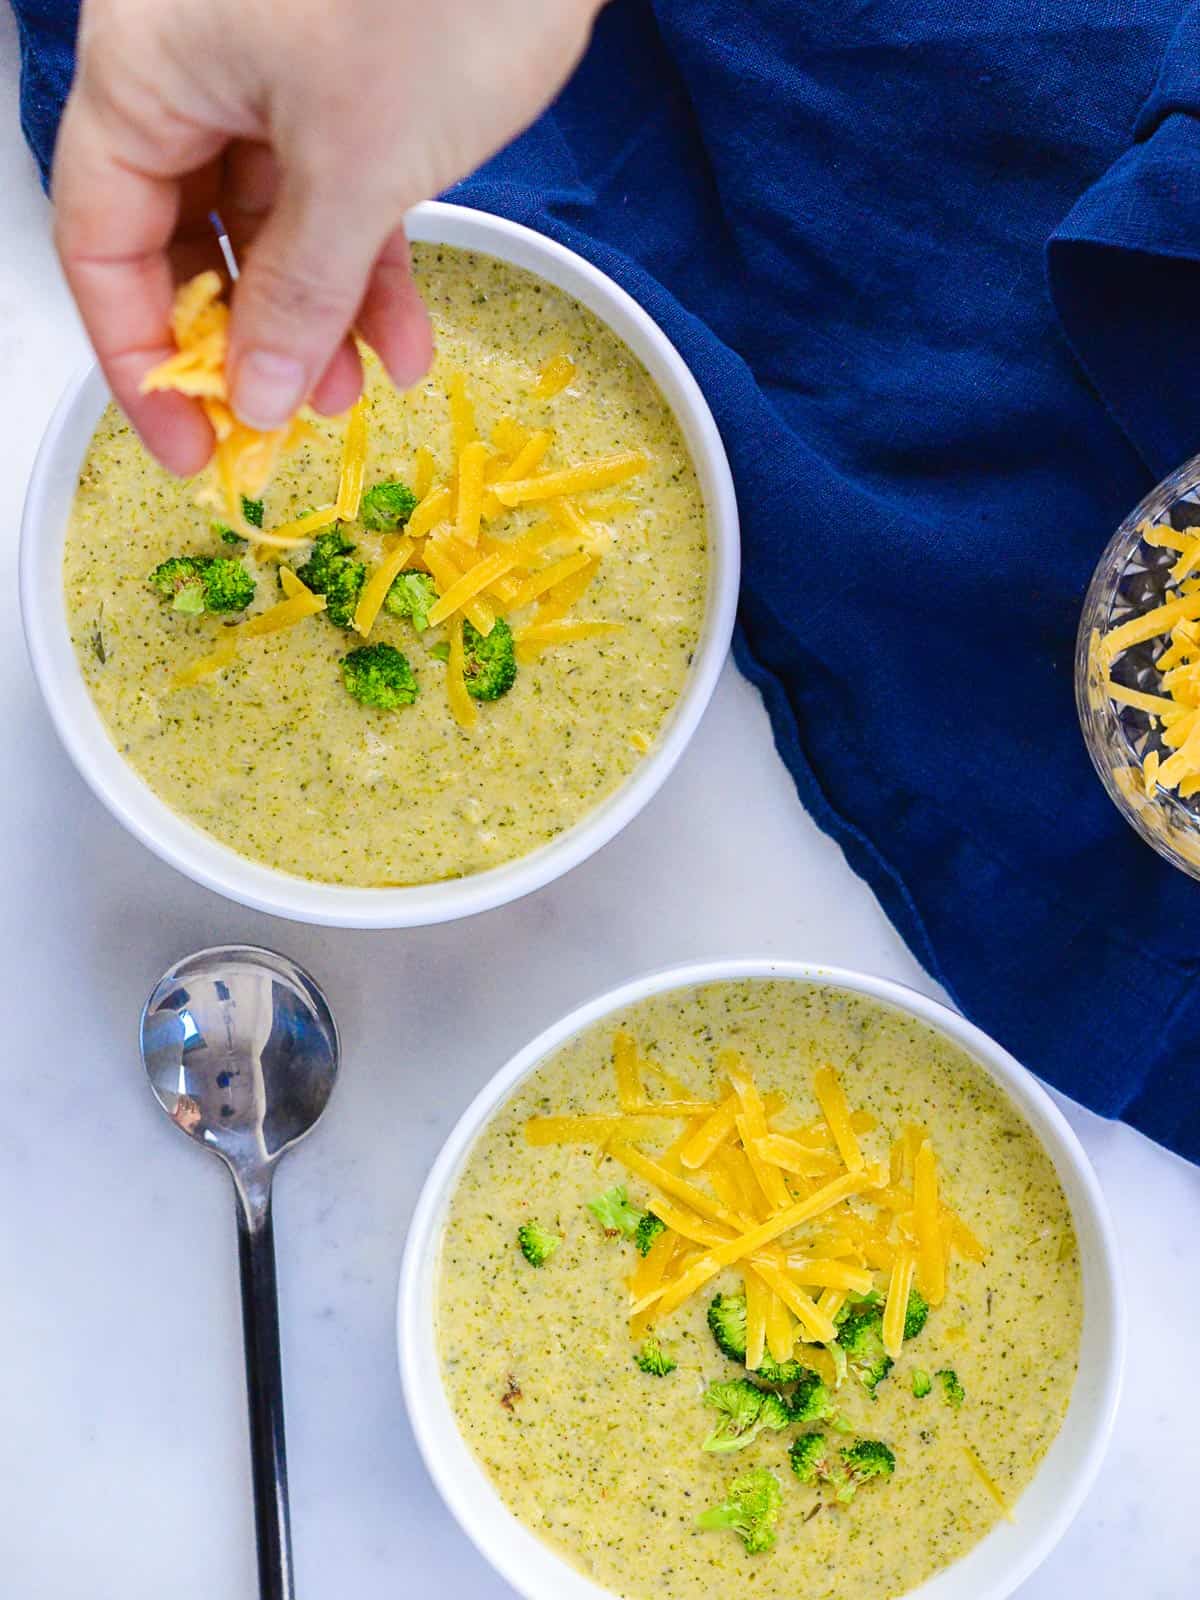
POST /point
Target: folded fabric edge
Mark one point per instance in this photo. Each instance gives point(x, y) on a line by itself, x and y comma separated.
point(1123, 271)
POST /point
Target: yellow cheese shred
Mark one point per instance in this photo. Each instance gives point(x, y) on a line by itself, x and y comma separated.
point(550, 578)
point(446, 574)
point(539, 636)
point(711, 1134)
point(757, 1296)
point(659, 1177)
point(284, 614)
point(510, 436)
point(422, 472)
point(375, 590)
point(528, 458)
point(752, 1125)
point(470, 491)
point(1161, 619)
point(554, 376)
point(579, 479)
point(832, 1101)
point(818, 1327)
point(299, 531)
point(896, 1309)
point(472, 583)
point(354, 462)
point(462, 706)
point(631, 1093)
point(781, 1330)
point(435, 507)
point(988, 1482)
point(1159, 705)
point(205, 666)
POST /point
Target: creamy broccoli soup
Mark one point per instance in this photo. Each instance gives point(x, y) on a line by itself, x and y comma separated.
point(273, 754)
point(885, 1427)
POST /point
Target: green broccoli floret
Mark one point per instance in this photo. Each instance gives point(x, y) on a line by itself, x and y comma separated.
point(916, 1314)
point(810, 1458)
point(861, 1337)
point(810, 1400)
point(922, 1383)
point(953, 1391)
point(538, 1244)
point(652, 1358)
point(614, 1213)
point(751, 1510)
point(387, 505)
point(648, 1229)
point(378, 675)
point(194, 584)
point(860, 1462)
point(252, 510)
point(331, 571)
point(813, 1461)
point(489, 665)
point(727, 1323)
point(412, 594)
point(745, 1410)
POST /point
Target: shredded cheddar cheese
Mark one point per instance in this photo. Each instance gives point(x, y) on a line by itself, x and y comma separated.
point(244, 458)
point(807, 1217)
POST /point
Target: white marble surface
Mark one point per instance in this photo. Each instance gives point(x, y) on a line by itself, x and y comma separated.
point(123, 1472)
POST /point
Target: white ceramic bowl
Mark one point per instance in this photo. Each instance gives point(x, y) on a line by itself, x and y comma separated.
point(1011, 1551)
point(43, 527)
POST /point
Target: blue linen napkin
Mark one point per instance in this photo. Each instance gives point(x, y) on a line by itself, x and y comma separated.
point(841, 215)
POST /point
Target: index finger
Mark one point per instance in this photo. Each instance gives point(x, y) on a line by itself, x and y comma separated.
point(112, 230)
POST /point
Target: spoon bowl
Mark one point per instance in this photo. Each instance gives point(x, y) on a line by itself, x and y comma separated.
point(241, 1051)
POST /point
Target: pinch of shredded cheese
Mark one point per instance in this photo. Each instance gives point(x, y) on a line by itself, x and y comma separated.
point(244, 458)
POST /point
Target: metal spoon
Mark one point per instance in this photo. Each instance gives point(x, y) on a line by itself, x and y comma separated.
point(241, 1051)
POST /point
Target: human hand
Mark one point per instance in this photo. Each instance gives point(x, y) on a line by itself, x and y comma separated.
point(312, 128)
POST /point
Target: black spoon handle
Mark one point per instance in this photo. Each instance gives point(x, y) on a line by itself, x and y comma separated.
point(264, 1392)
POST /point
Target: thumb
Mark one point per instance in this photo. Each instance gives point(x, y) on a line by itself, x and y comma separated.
point(302, 282)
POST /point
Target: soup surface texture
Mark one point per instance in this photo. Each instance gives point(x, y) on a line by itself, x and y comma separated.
point(604, 1462)
point(273, 756)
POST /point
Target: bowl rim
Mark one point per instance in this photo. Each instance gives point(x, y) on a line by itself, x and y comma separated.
point(197, 854)
point(1160, 820)
point(466, 1490)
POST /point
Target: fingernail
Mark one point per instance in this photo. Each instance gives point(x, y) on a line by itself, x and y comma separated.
point(268, 389)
